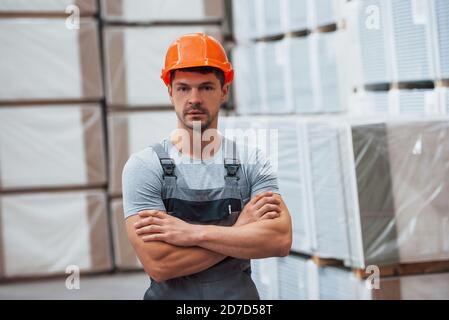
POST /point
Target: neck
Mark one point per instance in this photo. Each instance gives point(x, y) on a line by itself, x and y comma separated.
point(196, 143)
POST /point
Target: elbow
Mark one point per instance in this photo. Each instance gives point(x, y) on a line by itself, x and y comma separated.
point(153, 269)
point(157, 272)
point(285, 244)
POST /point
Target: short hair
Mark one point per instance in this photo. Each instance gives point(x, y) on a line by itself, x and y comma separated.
point(203, 70)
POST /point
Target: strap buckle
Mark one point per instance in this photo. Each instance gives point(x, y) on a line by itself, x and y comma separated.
point(231, 166)
point(168, 165)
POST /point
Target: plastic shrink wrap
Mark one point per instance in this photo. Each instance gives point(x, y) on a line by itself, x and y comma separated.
point(378, 188)
point(69, 232)
point(46, 146)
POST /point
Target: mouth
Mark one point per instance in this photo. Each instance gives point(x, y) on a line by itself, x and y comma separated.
point(195, 113)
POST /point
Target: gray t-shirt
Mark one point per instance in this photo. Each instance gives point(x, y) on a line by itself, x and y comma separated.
point(142, 176)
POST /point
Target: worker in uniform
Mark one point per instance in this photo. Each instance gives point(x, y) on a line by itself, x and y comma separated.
point(198, 208)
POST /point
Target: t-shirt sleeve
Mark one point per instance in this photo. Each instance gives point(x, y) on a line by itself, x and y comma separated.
point(141, 186)
point(261, 174)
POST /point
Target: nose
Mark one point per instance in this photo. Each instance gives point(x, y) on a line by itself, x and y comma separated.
point(195, 97)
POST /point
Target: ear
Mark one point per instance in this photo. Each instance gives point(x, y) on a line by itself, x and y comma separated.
point(170, 92)
point(225, 93)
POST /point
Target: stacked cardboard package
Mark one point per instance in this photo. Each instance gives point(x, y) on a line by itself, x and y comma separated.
point(44, 60)
point(52, 141)
point(49, 233)
point(372, 199)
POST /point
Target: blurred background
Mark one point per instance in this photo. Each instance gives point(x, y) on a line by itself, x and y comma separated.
point(357, 91)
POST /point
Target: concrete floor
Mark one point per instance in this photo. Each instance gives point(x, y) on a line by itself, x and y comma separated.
point(119, 286)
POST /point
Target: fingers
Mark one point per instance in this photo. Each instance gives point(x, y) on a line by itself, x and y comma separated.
point(149, 230)
point(154, 237)
point(266, 200)
point(270, 215)
point(259, 196)
point(148, 221)
point(267, 208)
point(152, 213)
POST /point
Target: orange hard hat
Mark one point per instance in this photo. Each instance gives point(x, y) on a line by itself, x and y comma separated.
point(196, 50)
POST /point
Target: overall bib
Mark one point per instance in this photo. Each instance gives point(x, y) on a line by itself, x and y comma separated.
point(230, 278)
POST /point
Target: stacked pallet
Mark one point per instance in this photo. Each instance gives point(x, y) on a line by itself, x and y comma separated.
point(364, 193)
point(298, 277)
point(53, 206)
point(291, 65)
point(403, 53)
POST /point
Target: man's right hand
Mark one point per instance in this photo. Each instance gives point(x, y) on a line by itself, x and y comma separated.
point(262, 206)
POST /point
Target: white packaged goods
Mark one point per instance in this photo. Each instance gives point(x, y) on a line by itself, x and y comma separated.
point(128, 49)
point(124, 255)
point(275, 74)
point(325, 77)
point(265, 276)
point(323, 12)
point(396, 210)
point(404, 40)
point(289, 162)
point(441, 19)
point(248, 80)
point(301, 75)
point(244, 20)
point(326, 174)
point(297, 278)
point(295, 15)
point(411, 38)
point(340, 284)
point(69, 230)
point(377, 188)
point(370, 103)
point(443, 99)
point(374, 37)
point(269, 17)
point(291, 75)
point(51, 146)
point(42, 59)
point(132, 132)
point(162, 10)
point(414, 102)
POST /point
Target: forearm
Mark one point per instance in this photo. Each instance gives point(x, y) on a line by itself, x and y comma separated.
point(261, 239)
point(163, 261)
point(173, 261)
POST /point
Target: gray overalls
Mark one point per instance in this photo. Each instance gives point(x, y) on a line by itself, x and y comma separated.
point(230, 278)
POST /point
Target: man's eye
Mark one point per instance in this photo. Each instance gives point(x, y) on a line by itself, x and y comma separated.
point(183, 89)
point(208, 88)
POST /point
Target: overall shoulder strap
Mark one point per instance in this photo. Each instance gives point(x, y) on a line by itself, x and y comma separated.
point(167, 163)
point(231, 161)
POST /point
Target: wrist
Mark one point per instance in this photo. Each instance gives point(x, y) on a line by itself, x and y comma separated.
point(199, 233)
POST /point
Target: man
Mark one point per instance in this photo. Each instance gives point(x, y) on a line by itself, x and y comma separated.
point(195, 214)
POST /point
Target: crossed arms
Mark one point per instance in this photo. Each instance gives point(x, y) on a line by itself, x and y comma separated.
point(169, 247)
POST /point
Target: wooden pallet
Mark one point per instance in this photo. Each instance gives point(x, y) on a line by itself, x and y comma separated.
point(402, 269)
point(412, 85)
point(321, 262)
point(442, 84)
point(405, 269)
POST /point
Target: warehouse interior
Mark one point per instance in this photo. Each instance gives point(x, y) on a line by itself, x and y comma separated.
point(356, 93)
